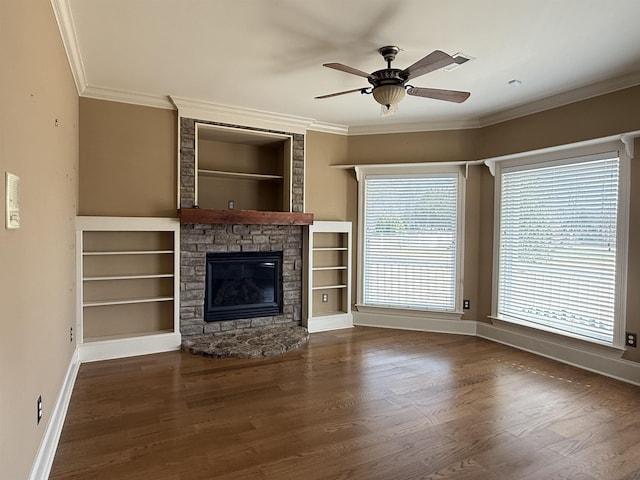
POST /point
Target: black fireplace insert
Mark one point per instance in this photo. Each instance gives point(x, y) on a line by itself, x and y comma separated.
point(243, 285)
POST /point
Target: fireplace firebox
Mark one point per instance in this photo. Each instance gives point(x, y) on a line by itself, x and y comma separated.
point(243, 285)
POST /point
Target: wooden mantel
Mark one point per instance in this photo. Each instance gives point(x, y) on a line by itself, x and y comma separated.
point(246, 217)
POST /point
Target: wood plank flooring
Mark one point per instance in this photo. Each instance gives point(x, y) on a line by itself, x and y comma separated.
point(352, 404)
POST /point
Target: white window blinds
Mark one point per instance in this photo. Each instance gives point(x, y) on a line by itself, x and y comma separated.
point(557, 246)
point(410, 241)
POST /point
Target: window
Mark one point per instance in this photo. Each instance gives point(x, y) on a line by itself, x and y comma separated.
point(411, 248)
point(560, 241)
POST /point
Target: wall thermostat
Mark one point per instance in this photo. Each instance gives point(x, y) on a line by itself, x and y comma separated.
point(12, 201)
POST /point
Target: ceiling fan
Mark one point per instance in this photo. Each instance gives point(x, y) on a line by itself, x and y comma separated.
point(389, 85)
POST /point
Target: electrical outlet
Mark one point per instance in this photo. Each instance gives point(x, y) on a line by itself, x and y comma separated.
point(466, 304)
point(39, 410)
point(325, 297)
point(631, 339)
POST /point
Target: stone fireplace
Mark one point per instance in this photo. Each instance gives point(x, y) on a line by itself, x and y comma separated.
point(201, 237)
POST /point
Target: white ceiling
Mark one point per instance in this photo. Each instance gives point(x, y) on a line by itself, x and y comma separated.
point(268, 54)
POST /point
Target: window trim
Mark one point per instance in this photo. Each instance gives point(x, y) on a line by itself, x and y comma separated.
point(564, 155)
point(403, 170)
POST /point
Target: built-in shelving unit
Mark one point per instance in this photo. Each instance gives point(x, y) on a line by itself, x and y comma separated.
point(328, 279)
point(128, 286)
point(249, 168)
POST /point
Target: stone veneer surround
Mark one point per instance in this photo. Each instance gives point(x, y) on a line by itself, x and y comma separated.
point(198, 239)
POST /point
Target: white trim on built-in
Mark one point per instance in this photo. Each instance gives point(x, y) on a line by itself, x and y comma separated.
point(342, 245)
point(46, 452)
point(249, 136)
point(127, 344)
point(214, 112)
point(130, 346)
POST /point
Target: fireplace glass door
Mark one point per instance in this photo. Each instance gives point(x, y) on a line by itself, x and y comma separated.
point(243, 285)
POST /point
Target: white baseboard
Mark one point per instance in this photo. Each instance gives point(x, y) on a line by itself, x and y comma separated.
point(329, 322)
point(128, 347)
point(47, 451)
point(417, 323)
point(594, 359)
point(89, 352)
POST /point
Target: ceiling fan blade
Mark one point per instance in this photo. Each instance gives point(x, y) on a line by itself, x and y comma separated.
point(434, 61)
point(342, 93)
point(345, 68)
point(447, 95)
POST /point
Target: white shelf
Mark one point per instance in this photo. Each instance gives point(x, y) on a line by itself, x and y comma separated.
point(135, 242)
point(127, 336)
point(328, 287)
point(127, 277)
point(335, 237)
point(238, 175)
point(128, 252)
point(125, 301)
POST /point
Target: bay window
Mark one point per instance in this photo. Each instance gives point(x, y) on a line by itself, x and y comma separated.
point(560, 244)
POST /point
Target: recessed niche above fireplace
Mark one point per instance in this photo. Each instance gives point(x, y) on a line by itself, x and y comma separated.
point(243, 169)
point(242, 285)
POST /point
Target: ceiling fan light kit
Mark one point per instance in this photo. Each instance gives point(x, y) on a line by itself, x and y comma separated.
point(389, 85)
point(387, 95)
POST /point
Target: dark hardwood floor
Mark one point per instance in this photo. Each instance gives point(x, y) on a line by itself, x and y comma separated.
point(352, 404)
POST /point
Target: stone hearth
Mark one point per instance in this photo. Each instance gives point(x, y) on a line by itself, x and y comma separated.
point(253, 343)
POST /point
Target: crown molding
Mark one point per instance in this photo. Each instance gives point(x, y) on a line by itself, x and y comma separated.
point(122, 96)
point(413, 127)
point(214, 112)
point(329, 128)
point(64, 19)
point(565, 98)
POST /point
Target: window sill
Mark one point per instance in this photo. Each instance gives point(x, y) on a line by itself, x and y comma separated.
point(551, 335)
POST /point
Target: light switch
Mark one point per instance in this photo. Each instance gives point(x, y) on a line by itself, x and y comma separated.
point(12, 201)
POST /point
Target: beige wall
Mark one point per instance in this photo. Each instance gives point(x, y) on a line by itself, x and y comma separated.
point(330, 193)
point(128, 160)
point(597, 117)
point(37, 261)
point(440, 146)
